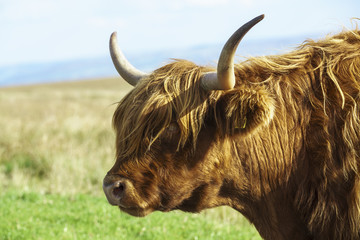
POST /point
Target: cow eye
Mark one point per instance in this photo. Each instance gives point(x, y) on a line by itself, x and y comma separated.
point(171, 132)
point(170, 138)
point(173, 128)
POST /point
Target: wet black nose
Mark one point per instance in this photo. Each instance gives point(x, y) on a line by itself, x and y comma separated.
point(114, 190)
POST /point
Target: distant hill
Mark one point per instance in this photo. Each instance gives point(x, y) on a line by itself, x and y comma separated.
point(102, 66)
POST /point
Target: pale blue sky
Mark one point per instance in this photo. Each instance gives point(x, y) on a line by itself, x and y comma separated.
point(52, 30)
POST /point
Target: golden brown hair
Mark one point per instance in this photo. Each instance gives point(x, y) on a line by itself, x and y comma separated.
point(171, 93)
point(319, 85)
point(313, 90)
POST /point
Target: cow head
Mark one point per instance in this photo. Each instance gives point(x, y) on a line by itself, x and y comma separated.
point(171, 132)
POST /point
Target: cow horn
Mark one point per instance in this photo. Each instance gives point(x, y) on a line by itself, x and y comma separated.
point(127, 71)
point(224, 78)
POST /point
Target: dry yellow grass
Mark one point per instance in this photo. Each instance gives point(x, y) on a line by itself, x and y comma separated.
point(58, 138)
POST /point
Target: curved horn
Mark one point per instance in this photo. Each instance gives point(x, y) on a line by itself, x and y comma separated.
point(127, 71)
point(224, 78)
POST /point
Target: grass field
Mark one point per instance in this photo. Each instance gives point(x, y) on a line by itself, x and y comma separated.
point(56, 144)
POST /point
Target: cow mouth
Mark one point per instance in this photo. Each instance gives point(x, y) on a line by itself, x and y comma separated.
point(136, 211)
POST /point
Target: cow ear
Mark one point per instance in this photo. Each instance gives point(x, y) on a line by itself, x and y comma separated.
point(243, 110)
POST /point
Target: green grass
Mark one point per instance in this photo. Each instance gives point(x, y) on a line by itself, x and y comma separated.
point(56, 145)
point(43, 216)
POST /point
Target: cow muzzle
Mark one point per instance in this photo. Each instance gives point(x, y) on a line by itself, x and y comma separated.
point(120, 192)
point(115, 189)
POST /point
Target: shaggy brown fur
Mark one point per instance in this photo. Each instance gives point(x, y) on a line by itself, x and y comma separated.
point(282, 147)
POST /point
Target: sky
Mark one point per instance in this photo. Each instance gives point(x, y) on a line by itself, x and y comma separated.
point(59, 30)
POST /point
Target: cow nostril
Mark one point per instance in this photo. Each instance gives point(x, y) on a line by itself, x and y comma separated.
point(114, 189)
point(118, 190)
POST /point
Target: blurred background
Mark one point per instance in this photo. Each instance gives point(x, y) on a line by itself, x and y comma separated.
point(47, 40)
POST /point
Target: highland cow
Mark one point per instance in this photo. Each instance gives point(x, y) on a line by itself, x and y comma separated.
point(276, 137)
